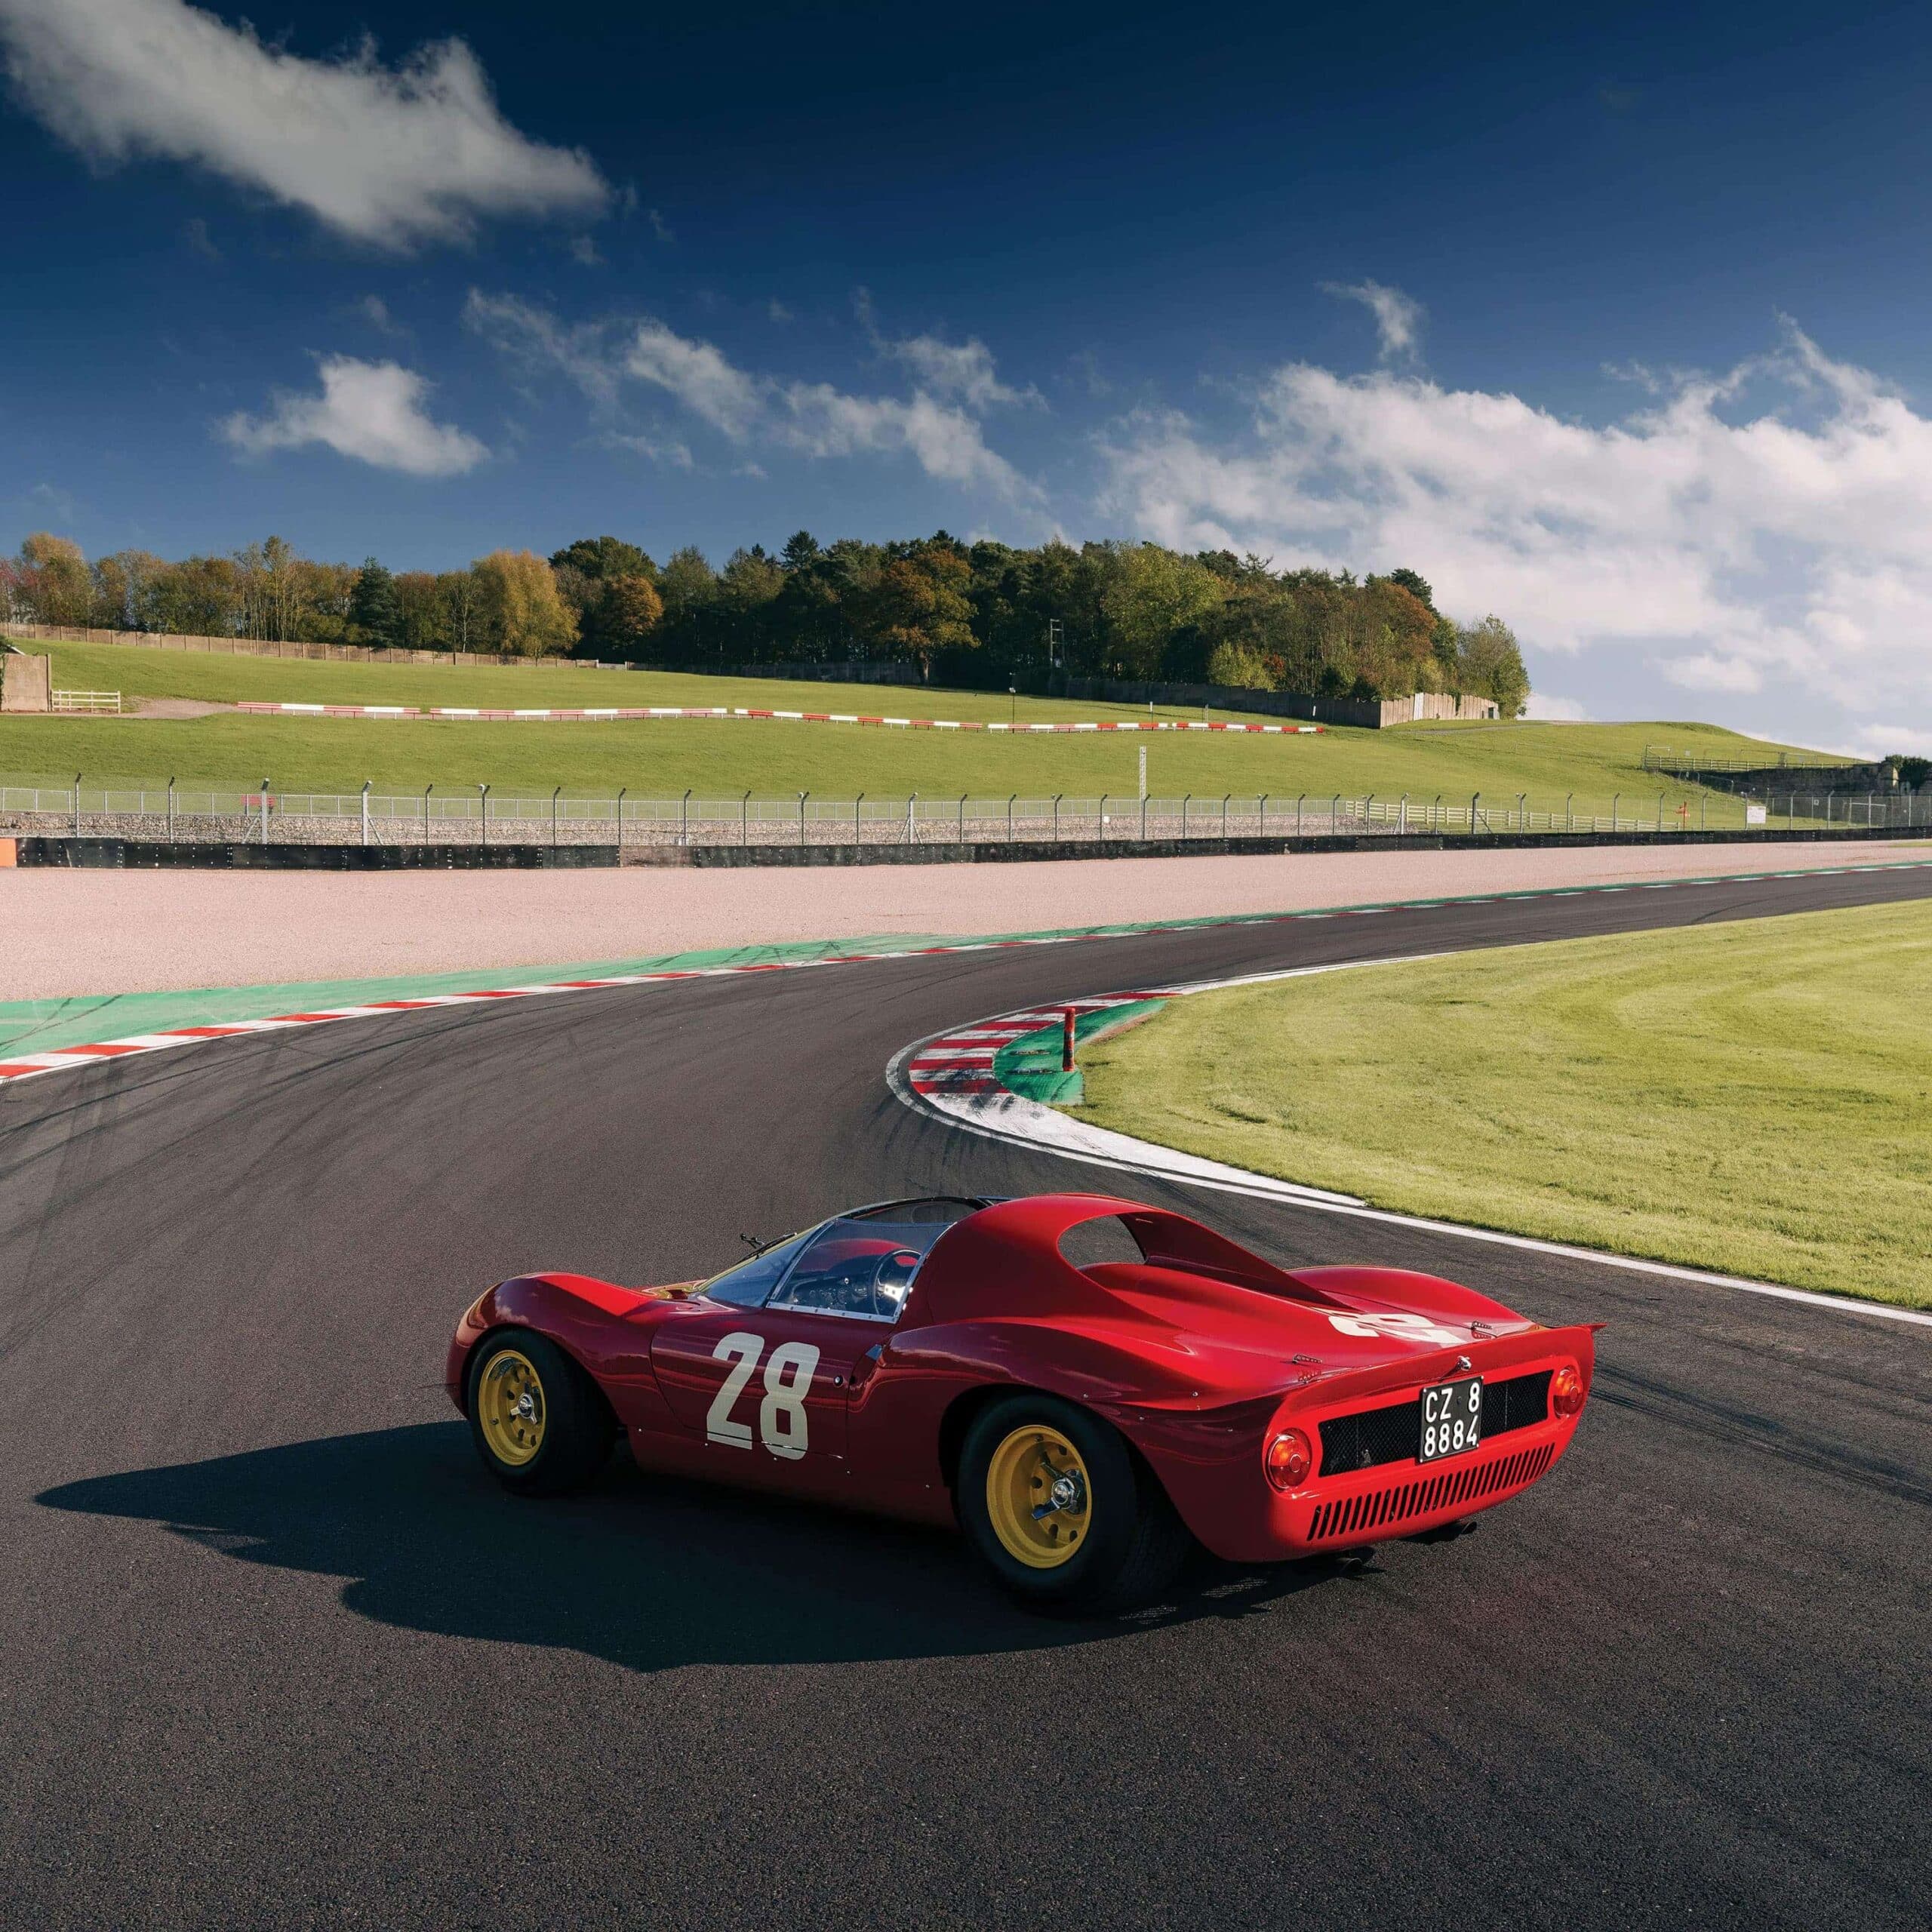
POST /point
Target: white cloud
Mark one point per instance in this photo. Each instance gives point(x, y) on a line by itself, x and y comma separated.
point(1552, 709)
point(1398, 317)
point(697, 374)
point(375, 312)
point(1762, 532)
point(816, 420)
point(962, 369)
point(536, 339)
point(372, 411)
point(391, 156)
point(667, 451)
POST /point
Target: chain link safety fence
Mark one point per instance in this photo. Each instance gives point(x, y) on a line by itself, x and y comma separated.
point(436, 816)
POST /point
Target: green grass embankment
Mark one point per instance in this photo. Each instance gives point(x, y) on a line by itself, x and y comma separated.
point(722, 758)
point(142, 670)
point(1754, 1098)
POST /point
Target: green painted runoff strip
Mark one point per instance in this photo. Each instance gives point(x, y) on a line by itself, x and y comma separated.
point(40, 1026)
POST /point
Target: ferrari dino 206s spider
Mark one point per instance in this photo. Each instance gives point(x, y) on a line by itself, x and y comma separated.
point(1081, 1418)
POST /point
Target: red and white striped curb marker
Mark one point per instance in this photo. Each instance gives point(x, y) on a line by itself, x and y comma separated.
point(960, 1064)
point(574, 714)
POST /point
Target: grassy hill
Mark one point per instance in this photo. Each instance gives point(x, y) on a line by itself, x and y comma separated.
point(724, 758)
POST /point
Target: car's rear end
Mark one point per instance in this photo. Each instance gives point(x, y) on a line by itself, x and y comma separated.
point(1361, 1455)
point(1478, 1425)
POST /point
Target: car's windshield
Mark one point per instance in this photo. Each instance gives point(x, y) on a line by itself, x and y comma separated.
point(859, 1266)
point(747, 1283)
point(861, 1263)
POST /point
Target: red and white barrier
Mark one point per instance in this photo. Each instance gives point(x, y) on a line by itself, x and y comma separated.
point(574, 714)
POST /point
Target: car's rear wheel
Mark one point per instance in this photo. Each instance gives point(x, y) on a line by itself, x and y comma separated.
point(538, 1422)
point(1059, 1509)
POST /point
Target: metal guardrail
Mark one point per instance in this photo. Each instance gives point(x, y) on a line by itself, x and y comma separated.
point(481, 816)
point(99, 703)
point(1688, 764)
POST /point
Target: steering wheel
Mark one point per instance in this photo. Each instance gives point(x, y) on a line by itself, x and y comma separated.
point(894, 1278)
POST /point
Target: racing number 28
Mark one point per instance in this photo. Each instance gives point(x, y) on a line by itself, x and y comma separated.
point(781, 1416)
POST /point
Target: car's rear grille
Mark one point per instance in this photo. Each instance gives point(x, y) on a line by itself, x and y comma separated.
point(1354, 1517)
point(1517, 1403)
point(1374, 1436)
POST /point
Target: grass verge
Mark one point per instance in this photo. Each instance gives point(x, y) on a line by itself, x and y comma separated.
point(1754, 1098)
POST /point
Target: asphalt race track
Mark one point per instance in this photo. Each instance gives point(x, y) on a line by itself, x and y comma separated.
point(277, 1652)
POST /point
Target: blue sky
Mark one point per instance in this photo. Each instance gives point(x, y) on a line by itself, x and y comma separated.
point(1611, 322)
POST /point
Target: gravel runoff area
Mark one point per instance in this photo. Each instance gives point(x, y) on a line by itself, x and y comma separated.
point(81, 932)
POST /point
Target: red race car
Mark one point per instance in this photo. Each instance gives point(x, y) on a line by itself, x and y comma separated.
point(1082, 1418)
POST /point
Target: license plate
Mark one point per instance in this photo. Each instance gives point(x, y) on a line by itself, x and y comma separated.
point(1451, 1419)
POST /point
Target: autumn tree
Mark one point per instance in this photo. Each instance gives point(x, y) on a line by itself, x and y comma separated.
point(600, 558)
point(921, 608)
point(1490, 664)
point(199, 597)
point(522, 613)
point(123, 584)
point(1151, 597)
point(624, 617)
point(52, 580)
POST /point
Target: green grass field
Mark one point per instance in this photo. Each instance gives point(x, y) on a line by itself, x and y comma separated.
point(726, 757)
point(1754, 1098)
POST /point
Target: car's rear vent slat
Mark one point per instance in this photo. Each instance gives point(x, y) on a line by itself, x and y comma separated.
point(1372, 1437)
point(1349, 1516)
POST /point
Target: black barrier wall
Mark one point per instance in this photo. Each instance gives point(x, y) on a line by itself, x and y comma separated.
point(95, 854)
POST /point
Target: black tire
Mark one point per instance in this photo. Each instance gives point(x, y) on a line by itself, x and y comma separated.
point(575, 1430)
point(1134, 1543)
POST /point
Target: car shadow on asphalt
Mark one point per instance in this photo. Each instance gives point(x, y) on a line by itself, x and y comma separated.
point(647, 1572)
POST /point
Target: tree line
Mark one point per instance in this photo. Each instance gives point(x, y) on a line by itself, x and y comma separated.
point(975, 614)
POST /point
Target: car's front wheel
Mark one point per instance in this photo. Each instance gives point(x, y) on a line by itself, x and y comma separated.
point(1057, 1507)
point(538, 1422)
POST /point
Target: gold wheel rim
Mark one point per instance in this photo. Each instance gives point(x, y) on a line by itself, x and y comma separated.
point(1039, 1497)
point(509, 1405)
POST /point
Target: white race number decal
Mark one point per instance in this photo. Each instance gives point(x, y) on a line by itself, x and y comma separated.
point(1400, 1328)
point(744, 1350)
point(781, 1416)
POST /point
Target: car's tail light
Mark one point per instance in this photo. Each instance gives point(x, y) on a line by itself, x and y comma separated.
point(1566, 1390)
point(1288, 1459)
